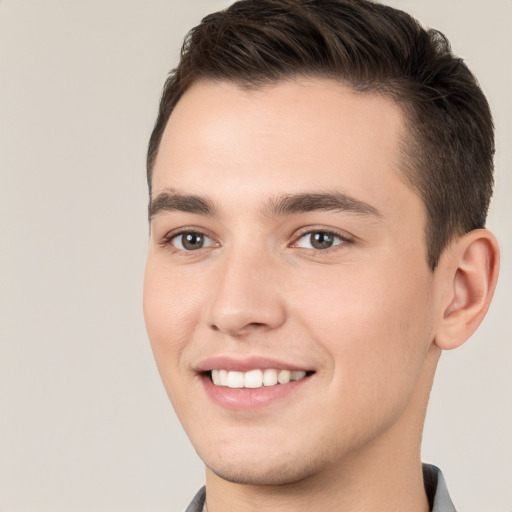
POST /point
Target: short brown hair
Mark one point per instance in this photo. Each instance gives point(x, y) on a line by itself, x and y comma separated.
point(448, 155)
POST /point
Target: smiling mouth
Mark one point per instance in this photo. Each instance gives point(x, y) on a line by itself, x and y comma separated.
point(254, 379)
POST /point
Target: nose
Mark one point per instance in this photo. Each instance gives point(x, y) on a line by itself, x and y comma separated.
point(247, 296)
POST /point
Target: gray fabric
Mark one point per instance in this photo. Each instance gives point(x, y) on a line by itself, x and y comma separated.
point(435, 487)
point(197, 504)
point(437, 492)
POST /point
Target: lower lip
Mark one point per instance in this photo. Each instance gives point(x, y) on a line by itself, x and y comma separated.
point(246, 398)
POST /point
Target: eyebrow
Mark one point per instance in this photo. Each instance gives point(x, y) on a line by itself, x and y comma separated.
point(330, 201)
point(172, 200)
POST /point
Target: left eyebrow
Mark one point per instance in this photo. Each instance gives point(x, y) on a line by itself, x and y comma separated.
point(332, 201)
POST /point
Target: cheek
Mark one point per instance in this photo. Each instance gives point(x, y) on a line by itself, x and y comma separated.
point(376, 329)
point(170, 315)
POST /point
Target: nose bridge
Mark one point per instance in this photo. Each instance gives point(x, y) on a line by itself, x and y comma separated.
point(246, 295)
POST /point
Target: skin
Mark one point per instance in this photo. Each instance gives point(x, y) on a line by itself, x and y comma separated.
point(363, 315)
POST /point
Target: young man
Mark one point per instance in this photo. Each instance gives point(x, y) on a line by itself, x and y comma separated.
point(319, 175)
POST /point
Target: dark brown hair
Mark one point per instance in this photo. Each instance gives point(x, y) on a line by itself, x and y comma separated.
point(448, 153)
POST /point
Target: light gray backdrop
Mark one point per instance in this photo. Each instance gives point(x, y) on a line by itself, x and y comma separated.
point(84, 421)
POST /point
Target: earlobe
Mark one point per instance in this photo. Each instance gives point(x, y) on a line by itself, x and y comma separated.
point(470, 278)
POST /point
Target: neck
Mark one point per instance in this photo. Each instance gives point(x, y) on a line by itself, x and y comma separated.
point(384, 475)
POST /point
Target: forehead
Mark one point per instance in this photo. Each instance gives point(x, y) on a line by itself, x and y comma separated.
point(293, 137)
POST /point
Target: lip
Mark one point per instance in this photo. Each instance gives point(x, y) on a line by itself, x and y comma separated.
point(245, 398)
point(246, 364)
point(248, 399)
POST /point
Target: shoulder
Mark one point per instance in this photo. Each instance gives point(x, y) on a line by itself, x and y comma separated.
point(437, 492)
point(197, 504)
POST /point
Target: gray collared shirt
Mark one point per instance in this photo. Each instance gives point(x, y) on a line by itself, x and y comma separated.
point(435, 487)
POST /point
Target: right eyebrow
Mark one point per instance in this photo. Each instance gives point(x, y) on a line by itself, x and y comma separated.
point(172, 201)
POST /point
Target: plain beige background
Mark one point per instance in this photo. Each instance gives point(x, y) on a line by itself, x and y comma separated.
point(84, 422)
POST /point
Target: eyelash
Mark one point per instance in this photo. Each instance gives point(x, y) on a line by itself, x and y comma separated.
point(343, 238)
point(167, 240)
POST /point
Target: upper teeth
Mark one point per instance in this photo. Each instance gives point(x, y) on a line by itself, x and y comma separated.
point(255, 378)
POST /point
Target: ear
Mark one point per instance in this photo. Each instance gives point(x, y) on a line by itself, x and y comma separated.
point(469, 275)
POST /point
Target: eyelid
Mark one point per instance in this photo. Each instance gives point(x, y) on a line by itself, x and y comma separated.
point(167, 239)
point(342, 235)
point(206, 241)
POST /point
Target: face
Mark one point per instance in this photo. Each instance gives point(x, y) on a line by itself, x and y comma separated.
point(284, 245)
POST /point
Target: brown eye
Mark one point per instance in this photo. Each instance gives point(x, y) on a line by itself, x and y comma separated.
point(191, 241)
point(319, 240)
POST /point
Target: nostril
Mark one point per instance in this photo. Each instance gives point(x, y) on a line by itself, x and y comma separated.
point(237, 327)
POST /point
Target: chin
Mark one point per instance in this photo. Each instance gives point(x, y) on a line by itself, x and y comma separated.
point(246, 475)
point(264, 470)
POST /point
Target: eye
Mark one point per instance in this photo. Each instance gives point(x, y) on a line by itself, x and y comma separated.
point(319, 240)
point(191, 241)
